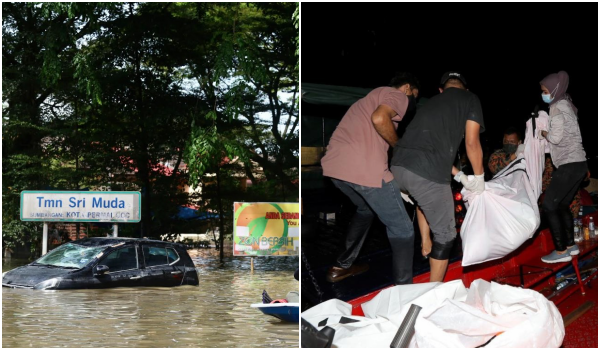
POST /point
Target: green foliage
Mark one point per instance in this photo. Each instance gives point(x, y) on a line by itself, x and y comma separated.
point(297, 26)
point(99, 95)
point(17, 233)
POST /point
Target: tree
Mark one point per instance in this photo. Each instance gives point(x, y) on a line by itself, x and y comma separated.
point(38, 45)
point(242, 77)
point(119, 95)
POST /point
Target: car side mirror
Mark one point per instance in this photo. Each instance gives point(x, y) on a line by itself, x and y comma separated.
point(100, 270)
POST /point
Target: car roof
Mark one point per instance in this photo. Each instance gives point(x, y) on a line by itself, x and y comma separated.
point(105, 241)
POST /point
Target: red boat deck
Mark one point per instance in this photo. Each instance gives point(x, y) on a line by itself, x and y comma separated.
point(583, 331)
point(524, 268)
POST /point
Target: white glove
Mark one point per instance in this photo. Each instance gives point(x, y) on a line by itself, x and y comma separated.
point(477, 185)
point(406, 198)
point(520, 149)
point(462, 178)
point(538, 134)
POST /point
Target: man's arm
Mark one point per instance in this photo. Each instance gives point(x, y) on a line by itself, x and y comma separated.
point(382, 121)
point(455, 170)
point(474, 152)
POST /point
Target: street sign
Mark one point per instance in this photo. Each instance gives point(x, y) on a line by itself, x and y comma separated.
point(81, 206)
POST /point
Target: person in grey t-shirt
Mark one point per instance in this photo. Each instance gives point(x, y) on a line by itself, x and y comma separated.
point(568, 156)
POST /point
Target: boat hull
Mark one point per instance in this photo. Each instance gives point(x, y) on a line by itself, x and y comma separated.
point(288, 312)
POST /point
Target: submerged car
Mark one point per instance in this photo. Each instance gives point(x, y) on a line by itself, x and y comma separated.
point(107, 263)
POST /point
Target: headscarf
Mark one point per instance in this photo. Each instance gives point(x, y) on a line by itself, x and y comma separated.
point(557, 84)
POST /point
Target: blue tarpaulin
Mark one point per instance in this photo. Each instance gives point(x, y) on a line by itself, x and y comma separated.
point(186, 213)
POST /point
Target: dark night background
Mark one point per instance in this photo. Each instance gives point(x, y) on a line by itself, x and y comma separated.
point(503, 49)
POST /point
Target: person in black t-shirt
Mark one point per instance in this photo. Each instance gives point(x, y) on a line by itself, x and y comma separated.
point(423, 160)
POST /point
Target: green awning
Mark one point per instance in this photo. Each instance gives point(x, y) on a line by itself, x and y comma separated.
point(331, 95)
point(320, 94)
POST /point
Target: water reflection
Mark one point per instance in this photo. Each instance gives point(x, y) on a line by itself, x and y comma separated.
point(214, 314)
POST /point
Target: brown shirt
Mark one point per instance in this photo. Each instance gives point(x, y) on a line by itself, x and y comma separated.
point(356, 152)
point(498, 161)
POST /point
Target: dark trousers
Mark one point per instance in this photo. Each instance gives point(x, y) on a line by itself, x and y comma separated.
point(559, 195)
point(385, 202)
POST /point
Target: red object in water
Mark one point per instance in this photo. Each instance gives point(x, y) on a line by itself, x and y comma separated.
point(457, 196)
point(279, 301)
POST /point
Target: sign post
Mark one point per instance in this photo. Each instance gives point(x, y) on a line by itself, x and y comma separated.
point(80, 206)
point(45, 239)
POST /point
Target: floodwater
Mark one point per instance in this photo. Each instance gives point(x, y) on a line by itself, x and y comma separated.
point(216, 313)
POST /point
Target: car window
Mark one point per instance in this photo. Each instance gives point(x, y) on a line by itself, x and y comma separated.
point(70, 255)
point(172, 255)
point(121, 259)
point(155, 256)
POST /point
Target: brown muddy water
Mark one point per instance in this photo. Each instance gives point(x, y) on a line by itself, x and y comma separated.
point(216, 313)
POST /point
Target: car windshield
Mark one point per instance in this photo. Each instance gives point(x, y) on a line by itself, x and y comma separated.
point(70, 255)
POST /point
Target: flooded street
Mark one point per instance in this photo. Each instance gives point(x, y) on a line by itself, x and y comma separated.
point(216, 313)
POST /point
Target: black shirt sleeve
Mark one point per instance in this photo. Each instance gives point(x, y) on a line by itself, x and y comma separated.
point(475, 113)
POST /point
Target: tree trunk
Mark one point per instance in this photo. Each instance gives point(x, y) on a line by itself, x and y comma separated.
point(146, 200)
point(220, 204)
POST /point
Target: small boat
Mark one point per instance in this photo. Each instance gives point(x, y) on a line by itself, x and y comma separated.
point(288, 312)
